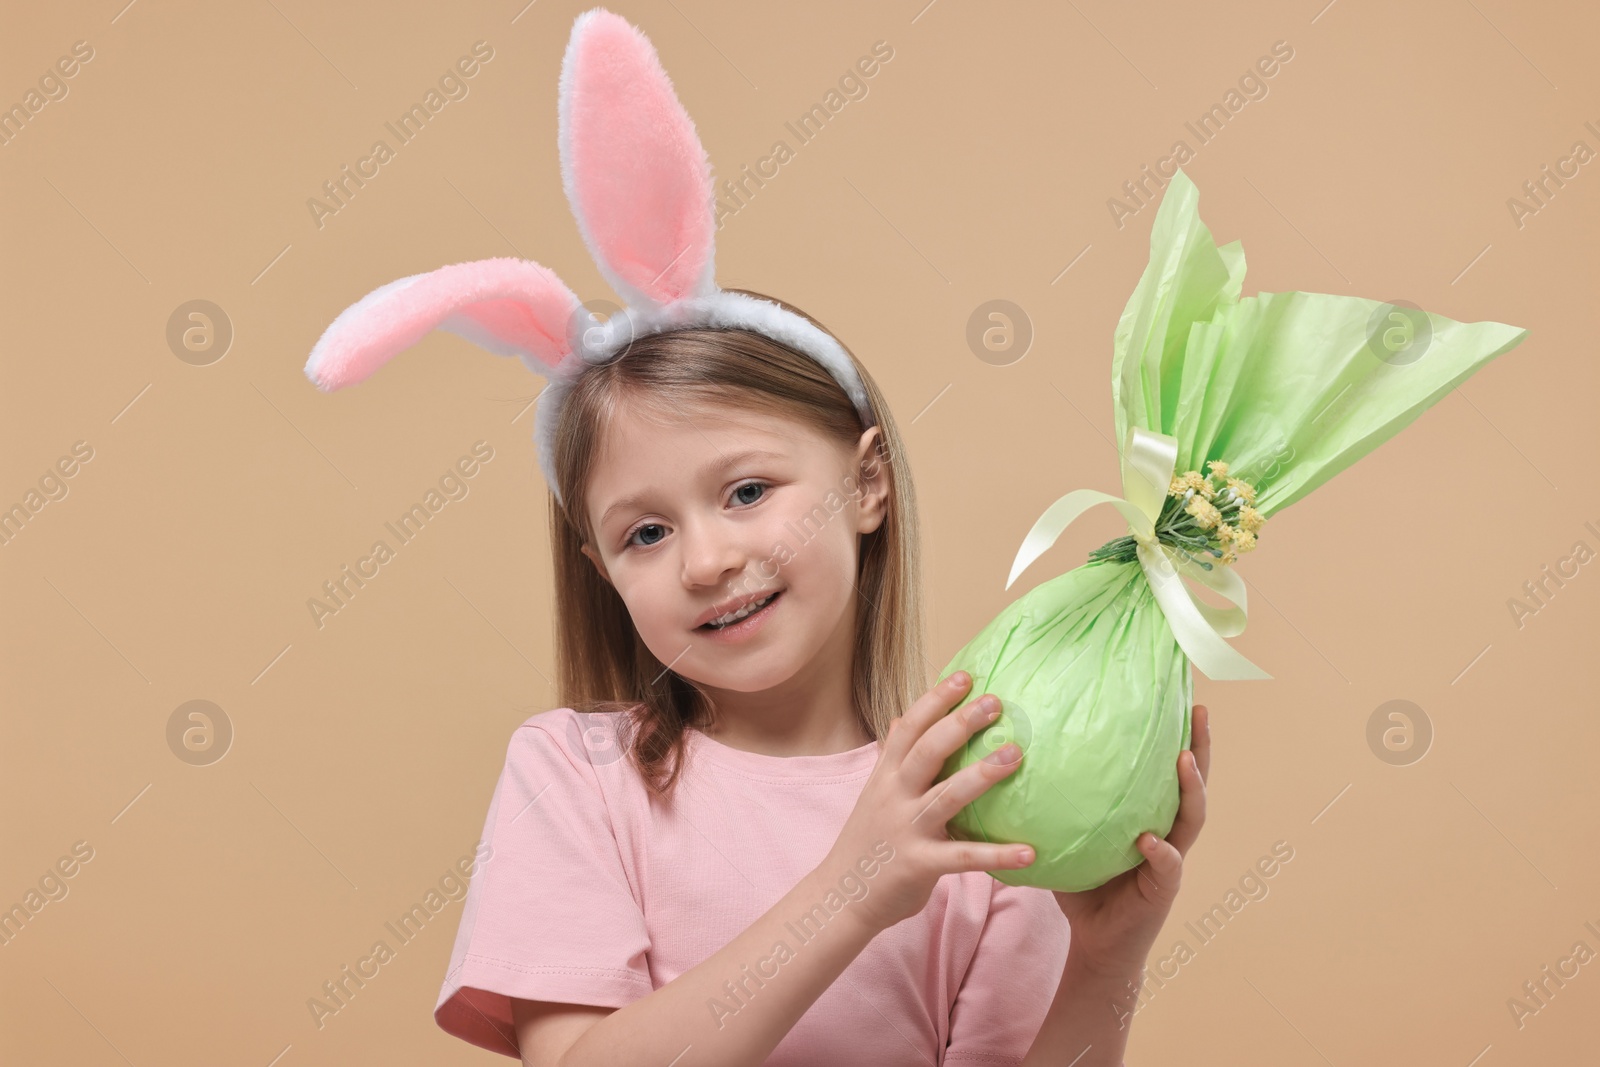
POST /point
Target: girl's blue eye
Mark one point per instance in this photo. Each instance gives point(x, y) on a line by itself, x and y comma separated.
point(628, 541)
point(641, 529)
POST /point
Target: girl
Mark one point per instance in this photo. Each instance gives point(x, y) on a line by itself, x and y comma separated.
point(727, 845)
point(745, 860)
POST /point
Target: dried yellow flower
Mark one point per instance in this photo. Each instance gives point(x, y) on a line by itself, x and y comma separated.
point(1204, 512)
point(1177, 487)
point(1229, 557)
point(1219, 469)
point(1225, 533)
point(1244, 540)
point(1249, 518)
point(1194, 480)
point(1245, 490)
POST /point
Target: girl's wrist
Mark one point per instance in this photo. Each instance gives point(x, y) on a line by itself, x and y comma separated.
point(1089, 1018)
point(843, 886)
point(1106, 970)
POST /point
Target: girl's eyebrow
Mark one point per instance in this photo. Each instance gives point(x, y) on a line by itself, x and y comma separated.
point(716, 466)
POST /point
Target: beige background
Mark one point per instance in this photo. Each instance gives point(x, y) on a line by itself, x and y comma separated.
point(219, 498)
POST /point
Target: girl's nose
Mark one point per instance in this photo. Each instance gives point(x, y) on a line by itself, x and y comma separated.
point(710, 552)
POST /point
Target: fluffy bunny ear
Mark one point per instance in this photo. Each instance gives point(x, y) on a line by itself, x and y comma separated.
point(632, 165)
point(512, 307)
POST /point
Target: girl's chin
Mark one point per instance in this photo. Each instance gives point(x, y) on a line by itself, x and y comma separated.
point(760, 678)
point(732, 682)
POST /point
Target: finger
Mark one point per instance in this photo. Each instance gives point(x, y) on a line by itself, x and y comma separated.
point(1163, 869)
point(1200, 739)
point(926, 710)
point(982, 856)
point(1191, 804)
point(944, 799)
point(929, 752)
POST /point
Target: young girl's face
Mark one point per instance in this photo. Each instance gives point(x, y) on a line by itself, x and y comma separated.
point(696, 511)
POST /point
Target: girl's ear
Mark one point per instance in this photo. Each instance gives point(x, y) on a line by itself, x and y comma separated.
point(873, 477)
point(594, 557)
point(632, 165)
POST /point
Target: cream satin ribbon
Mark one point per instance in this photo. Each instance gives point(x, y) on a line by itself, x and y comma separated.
point(1148, 464)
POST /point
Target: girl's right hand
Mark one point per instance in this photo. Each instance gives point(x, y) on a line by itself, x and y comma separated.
point(898, 825)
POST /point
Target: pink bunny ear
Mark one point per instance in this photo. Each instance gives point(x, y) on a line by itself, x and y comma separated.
point(632, 165)
point(512, 307)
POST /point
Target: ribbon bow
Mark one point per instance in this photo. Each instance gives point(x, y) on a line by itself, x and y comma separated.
point(1148, 464)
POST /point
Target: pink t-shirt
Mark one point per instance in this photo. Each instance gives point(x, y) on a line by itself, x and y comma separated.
point(595, 893)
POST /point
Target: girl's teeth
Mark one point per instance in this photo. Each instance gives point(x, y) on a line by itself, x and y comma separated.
point(730, 619)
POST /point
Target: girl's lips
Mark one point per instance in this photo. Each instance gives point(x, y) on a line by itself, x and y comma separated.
point(745, 627)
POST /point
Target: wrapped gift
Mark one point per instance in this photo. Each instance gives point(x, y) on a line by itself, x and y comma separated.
point(1228, 410)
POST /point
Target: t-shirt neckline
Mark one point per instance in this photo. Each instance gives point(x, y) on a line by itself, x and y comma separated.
point(827, 765)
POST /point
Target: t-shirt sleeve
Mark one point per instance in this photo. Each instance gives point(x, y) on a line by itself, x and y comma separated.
point(1011, 979)
point(550, 914)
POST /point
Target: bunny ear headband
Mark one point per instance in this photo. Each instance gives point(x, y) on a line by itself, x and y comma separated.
point(639, 184)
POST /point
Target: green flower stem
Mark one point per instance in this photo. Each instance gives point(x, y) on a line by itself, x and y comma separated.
point(1176, 527)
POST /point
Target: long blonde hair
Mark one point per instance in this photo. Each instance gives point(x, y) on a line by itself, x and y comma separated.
point(602, 663)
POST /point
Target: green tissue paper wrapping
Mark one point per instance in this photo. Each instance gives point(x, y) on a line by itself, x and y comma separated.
point(1287, 389)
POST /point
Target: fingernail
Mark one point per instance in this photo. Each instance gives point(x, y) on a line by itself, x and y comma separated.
point(959, 680)
point(1024, 856)
point(1009, 752)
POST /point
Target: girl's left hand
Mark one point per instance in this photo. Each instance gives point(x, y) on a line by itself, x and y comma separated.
point(1114, 925)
